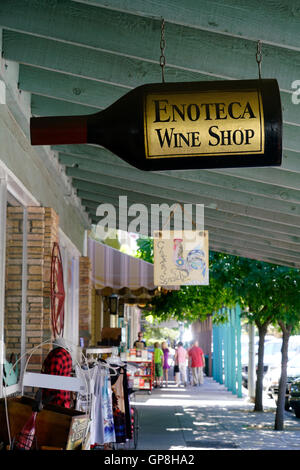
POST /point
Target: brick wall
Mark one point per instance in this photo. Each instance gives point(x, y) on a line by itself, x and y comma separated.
point(13, 280)
point(42, 231)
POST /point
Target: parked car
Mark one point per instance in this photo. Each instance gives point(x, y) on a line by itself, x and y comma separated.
point(272, 357)
point(272, 361)
point(271, 380)
point(294, 396)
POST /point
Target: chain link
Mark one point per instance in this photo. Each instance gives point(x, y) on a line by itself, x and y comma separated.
point(259, 56)
point(162, 60)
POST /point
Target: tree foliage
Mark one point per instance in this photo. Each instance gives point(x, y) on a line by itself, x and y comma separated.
point(191, 303)
point(269, 294)
point(145, 249)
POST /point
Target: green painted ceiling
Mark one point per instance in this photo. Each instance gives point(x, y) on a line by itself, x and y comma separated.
point(77, 57)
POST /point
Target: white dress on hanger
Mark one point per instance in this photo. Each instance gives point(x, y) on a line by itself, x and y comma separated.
point(102, 429)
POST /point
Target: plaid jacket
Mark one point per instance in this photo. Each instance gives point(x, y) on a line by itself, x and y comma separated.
point(58, 362)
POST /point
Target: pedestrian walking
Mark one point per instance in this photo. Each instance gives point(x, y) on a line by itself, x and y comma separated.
point(181, 357)
point(176, 369)
point(196, 362)
point(158, 365)
point(166, 365)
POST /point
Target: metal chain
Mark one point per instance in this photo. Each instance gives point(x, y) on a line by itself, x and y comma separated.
point(259, 57)
point(162, 51)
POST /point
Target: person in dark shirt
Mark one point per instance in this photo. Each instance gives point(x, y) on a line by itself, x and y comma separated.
point(140, 343)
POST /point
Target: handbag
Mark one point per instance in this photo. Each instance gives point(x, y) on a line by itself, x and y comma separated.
point(176, 369)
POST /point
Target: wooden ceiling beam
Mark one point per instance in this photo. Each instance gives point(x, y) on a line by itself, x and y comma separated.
point(230, 18)
point(203, 177)
point(193, 193)
point(220, 232)
point(120, 33)
point(250, 225)
point(206, 189)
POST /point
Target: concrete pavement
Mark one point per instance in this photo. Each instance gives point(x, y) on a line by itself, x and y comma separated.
point(210, 418)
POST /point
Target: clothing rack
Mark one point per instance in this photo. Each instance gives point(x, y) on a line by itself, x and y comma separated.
point(110, 423)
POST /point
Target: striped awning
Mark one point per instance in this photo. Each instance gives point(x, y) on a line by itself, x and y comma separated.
point(111, 268)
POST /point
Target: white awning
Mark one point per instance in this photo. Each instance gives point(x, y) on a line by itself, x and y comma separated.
point(111, 268)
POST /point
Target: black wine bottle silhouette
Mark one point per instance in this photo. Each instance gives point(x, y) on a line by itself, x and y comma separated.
point(190, 125)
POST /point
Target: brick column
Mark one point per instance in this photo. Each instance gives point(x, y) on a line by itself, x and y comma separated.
point(42, 231)
point(85, 299)
point(35, 281)
point(13, 280)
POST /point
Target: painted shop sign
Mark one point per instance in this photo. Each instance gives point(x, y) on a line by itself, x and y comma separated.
point(181, 258)
point(204, 123)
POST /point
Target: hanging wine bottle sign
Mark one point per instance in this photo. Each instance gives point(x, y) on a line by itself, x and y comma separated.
point(218, 124)
point(181, 258)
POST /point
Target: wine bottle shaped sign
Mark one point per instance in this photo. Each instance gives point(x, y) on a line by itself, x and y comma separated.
point(217, 124)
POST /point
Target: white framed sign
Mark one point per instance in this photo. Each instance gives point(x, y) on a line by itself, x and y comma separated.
point(181, 258)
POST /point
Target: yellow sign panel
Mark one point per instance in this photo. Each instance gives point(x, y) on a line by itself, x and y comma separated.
point(203, 123)
point(181, 258)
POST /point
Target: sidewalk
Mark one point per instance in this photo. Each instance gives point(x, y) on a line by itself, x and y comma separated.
point(210, 418)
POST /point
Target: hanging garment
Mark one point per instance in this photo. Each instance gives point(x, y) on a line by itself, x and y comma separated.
point(103, 428)
point(127, 405)
point(121, 408)
point(84, 401)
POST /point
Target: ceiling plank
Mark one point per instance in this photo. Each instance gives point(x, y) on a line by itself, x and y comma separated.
point(216, 224)
point(252, 226)
point(246, 251)
point(251, 254)
point(102, 66)
point(205, 192)
point(266, 175)
point(44, 106)
point(277, 176)
point(163, 185)
point(243, 20)
point(204, 177)
point(92, 202)
point(68, 87)
point(270, 246)
point(243, 245)
point(247, 247)
point(188, 48)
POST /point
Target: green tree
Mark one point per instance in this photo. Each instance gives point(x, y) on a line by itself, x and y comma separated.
point(269, 295)
point(287, 297)
point(145, 249)
point(191, 303)
point(253, 283)
point(272, 295)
